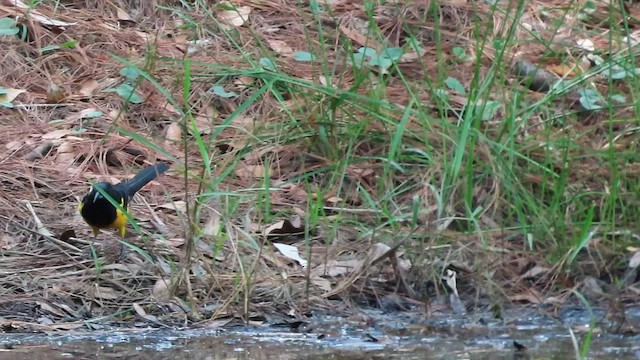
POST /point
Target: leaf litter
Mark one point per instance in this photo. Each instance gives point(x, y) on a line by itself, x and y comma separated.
point(64, 282)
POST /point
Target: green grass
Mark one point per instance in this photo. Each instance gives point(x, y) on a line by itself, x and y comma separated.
point(537, 165)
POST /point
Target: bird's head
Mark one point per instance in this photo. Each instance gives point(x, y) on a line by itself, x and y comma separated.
point(95, 194)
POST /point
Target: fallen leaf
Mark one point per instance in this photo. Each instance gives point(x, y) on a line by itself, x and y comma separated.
point(247, 172)
point(291, 252)
point(143, 314)
point(285, 227)
point(103, 292)
point(535, 271)
point(322, 283)
point(65, 154)
point(10, 94)
point(531, 296)
point(174, 134)
point(177, 206)
point(244, 80)
point(49, 308)
point(234, 18)
point(280, 47)
point(161, 291)
point(57, 134)
point(35, 15)
point(14, 145)
point(335, 268)
point(122, 15)
point(88, 87)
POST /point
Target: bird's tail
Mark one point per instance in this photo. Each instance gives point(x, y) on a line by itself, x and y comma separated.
point(145, 176)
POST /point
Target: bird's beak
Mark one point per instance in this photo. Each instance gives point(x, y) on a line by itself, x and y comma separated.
point(97, 196)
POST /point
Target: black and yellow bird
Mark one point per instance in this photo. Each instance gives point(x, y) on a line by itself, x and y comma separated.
point(100, 213)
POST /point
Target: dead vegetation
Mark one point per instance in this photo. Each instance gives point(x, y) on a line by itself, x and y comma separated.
point(214, 244)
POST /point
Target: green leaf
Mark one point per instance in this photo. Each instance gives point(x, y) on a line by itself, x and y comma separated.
point(7, 27)
point(268, 64)
point(393, 53)
point(92, 114)
point(303, 56)
point(499, 44)
point(130, 72)
point(455, 85)
point(590, 99)
point(619, 98)
point(69, 44)
point(460, 53)
point(369, 52)
point(49, 48)
point(358, 60)
point(7, 23)
point(490, 110)
point(220, 91)
point(381, 61)
point(128, 93)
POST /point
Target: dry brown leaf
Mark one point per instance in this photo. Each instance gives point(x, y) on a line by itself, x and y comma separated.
point(56, 134)
point(65, 154)
point(14, 145)
point(143, 314)
point(247, 172)
point(49, 308)
point(280, 47)
point(174, 134)
point(234, 18)
point(334, 200)
point(359, 38)
point(177, 206)
point(335, 268)
point(122, 15)
point(412, 56)
point(10, 94)
point(535, 271)
point(171, 242)
point(88, 87)
point(103, 292)
point(35, 15)
point(285, 227)
point(322, 283)
point(160, 291)
point(531, 296)
point(244, 81)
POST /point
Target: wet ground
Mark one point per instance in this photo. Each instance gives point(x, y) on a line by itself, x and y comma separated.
point(371, 335)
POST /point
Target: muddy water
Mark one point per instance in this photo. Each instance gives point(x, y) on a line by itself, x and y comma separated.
point(368, 336)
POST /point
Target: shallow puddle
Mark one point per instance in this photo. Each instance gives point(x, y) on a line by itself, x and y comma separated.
point(397, 336)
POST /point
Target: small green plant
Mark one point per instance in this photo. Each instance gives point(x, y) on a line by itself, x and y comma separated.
point(65, 45)
point(8, 27)
point(127, 90)
point(370, 57)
